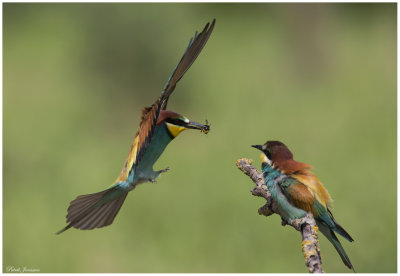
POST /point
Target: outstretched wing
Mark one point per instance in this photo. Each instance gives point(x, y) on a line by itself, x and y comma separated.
point(193, 50)
point(151, 114)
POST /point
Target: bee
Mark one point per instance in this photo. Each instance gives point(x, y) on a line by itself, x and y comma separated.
point(206, 128)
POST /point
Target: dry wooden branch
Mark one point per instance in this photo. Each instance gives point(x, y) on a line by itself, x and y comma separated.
point(305, 225)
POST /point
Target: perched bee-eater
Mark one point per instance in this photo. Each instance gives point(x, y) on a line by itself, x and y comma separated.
point(157, 128)
point(296, 190)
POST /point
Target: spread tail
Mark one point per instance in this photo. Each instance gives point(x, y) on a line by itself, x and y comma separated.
point(330, 235)
point(95, 210)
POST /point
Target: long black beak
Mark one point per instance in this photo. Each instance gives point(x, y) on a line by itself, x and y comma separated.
point(203, 128)
point(257, 147)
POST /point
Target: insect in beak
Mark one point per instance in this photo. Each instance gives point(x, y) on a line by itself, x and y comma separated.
point(206, 128)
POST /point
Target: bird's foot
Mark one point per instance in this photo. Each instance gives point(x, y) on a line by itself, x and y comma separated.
point(153, 180)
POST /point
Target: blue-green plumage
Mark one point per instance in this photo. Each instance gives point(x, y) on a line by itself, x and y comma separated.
point(158, 127)
point(279, 184)
point(273, 179)
point(296, 191)
point(144, 170)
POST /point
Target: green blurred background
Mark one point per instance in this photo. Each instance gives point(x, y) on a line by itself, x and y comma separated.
point(319, 77)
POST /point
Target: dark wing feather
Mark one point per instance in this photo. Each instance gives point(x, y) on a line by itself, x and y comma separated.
point(194, 48)
point(340, 229)
point(150, 114)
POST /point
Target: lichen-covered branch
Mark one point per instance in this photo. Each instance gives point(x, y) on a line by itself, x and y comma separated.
point(305, 225)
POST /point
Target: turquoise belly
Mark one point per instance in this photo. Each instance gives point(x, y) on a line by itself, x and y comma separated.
point(144, 168)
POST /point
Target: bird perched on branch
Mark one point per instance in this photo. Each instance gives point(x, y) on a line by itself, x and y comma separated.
point(296, 191)
point(157, 128)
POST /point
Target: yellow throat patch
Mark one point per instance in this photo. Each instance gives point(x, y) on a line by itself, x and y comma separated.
point(174, 129)
point(264, 159)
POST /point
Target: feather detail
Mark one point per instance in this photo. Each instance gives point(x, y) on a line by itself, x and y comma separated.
point(290, 166)
point(339, 228)
point(146, 128)
point(94, 210)
point(315, 186)
point(302, 197)
point(301, 172)
point(328, 233)
point(193, 50)
point(129, 162)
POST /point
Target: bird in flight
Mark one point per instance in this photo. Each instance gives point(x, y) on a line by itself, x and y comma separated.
point(158, 127)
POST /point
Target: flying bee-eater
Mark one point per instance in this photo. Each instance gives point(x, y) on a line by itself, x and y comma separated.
point(296, 190)
point(158, 127)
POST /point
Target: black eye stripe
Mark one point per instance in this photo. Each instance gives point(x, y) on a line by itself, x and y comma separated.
point(175, 121)
point(268, 154)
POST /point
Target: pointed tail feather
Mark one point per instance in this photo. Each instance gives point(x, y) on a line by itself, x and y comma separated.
point(95, 210)
point(330, 235)
point(339, 229)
